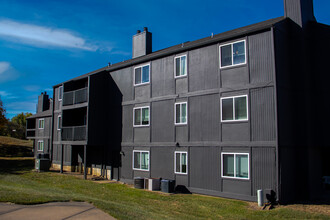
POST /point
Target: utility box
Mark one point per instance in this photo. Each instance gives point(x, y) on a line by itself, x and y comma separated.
point(154, 184)
point(167, 186)
point(42, 164)
point(138, 183)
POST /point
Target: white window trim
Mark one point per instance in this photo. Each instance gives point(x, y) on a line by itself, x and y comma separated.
point(41, 119)
point(141, 151)
point(141, 116)
point(233, 97)
point(179, 56)
point(180, 152)
point(180, 103)
point(232, 60)
point(58, 122)
point(141, 66)
point(42, 146)
point(234, 177)
point(59, 89)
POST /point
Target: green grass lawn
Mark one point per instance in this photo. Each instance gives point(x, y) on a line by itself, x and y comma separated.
point(23, 186)
point(12, 147)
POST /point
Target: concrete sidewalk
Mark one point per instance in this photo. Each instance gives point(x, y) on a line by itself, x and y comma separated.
point(54, 210)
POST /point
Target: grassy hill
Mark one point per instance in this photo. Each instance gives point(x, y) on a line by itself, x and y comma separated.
point(12, 147)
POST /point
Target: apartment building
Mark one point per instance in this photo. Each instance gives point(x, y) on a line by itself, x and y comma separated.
point(225, 115)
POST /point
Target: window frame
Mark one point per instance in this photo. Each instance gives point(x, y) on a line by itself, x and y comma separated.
point(141, 151)
point(232, 60)
point(59, 118)
point(233, 97)
point(39, 120)
point(141, 66)
point(60, 89)
point(39, 142)
point(234, 177)
point(180, 103)
point(181, 152)
point(141, 125)
point(179, 56)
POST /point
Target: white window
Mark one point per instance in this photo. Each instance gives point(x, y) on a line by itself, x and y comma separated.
point(60, 93)
point(141, 116)
point(232, 54)
point(180, 112)
point(180, 66)
point(235, 165)
point(234, 108)
point(41, 123)
point(59, 122)
point(180, 162)
point(141, 160)
point(40, 145)
point(142, 74)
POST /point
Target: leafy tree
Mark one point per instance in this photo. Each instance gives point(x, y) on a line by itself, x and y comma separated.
point(17, 125)
point(3, 119)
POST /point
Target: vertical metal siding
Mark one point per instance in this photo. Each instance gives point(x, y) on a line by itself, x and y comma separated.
point(127, 135)
point(262, 114)
point(162, 119)
point(124, 81)
point(263, 169)
point(204, 165)
point(162, 162)
point(261, 59)
point(204, 118)
point(163, 77)
point(126, 170)
point(203, 68)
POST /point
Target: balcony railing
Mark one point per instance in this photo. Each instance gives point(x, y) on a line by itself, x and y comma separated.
point(77, 133)
point(30, 133)
point(75, 97)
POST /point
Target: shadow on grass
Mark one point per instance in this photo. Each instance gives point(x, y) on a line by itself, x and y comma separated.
point(16, 165)
point(7, 150)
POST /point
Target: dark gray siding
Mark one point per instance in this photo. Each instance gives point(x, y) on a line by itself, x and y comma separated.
point(204, 168)
point(264, 169)
point(127, 135)
point(262, 114)
point(57, 103)
point(163, 77)
point(124, 81)
point(127, 167)
point(162, 121)
point(142, 134)
point(204, 117)
point(203, 68)
point(162, 162)
point(261, 58)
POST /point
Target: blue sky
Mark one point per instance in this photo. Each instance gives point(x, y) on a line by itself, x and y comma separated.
point(43, 43)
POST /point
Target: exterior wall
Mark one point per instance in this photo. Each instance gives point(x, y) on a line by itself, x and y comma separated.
point(43, 135)
point(205, 137)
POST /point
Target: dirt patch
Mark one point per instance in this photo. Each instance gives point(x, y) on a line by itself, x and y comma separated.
point(315, 209)
point(321, 209)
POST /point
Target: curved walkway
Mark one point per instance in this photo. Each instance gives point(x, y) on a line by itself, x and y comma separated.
point(54, 210)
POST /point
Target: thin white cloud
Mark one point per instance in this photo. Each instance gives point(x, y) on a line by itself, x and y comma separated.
point(4, 66)
point(36, 35)
point(7, 95)
point(7, 72)
point(31, 88)
point(20, 106)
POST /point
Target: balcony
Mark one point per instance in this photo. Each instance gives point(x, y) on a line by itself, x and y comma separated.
point(30, 133)
point(76, 133)
point(75, 97)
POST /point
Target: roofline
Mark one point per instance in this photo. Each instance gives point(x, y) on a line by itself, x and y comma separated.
point(243, 31)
